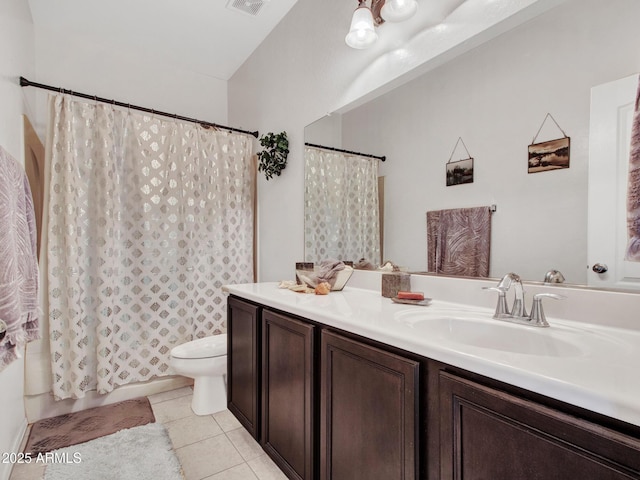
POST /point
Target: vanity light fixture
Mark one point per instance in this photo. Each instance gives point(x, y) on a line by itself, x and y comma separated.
point(362, 33)
point(398, 10)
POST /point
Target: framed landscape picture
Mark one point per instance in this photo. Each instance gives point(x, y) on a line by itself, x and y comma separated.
point(460, 172)
point(551, 155)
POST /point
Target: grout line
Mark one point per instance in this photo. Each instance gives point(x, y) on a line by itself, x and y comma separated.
point(169, 399)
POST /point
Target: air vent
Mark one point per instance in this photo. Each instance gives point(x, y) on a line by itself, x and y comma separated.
point(249, 7)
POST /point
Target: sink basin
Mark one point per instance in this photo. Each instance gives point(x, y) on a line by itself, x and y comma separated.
point(479, 330)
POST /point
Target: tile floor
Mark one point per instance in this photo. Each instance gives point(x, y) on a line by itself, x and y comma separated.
point(212, 447)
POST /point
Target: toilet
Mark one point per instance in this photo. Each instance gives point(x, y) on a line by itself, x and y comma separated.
point(204, 360)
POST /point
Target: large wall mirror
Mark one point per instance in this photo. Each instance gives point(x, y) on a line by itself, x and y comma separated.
point(495, 97)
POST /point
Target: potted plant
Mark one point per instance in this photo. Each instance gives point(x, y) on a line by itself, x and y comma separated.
point(273, 158)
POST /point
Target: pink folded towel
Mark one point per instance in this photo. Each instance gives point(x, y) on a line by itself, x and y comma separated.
point(18, 260)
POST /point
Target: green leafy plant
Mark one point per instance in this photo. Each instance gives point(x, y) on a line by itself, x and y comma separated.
point(273, 158)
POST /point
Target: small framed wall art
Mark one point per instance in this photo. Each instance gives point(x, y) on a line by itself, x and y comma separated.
point(460, 171)
point(549, 155)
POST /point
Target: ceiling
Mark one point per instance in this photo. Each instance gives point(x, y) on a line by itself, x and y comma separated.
point(205, 36)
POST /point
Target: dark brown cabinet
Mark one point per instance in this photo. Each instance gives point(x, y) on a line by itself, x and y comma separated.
point(288, 393)
point(327, 404)
point(368, 413)
point(489, 434)
point(243, 367)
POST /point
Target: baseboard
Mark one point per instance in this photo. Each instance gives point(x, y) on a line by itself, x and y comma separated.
point(18, 442)
point(44, 406)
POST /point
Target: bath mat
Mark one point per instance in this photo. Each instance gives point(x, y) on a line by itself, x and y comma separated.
point(79, 427)
point(140, 453)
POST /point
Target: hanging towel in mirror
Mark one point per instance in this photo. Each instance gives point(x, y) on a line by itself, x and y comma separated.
point(18, 260)
point(633, 188)
point(458, 241)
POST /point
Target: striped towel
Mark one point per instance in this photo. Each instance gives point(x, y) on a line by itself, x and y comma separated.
point(18, 260)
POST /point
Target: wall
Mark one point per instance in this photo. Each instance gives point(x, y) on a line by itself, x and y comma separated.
point(303, 70)
point(17, 54)
point(76, 64)
point(495, 97)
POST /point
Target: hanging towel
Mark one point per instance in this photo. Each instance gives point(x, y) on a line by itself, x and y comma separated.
point(458, 241)
point(18, 260)
point(633, 188)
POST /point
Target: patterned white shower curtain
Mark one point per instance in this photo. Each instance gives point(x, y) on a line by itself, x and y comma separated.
point(148, 218)
point(341, 213)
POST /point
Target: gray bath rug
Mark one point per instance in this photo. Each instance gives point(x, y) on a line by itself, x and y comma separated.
point(139, 453)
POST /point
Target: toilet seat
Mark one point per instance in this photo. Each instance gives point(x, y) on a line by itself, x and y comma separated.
point(207, 347)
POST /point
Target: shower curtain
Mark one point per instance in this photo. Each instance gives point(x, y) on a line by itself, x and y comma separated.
point(341, 213)
point(147, 219)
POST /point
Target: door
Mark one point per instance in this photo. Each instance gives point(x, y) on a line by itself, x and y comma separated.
point(287, 393)
point(612, 106)
point(368, 412)
point(489, 434)
point(243, 363)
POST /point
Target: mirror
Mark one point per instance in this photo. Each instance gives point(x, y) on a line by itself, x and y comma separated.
point(495, 97)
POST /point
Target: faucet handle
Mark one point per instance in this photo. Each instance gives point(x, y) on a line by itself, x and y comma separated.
point(537, 313)
point(501, 307)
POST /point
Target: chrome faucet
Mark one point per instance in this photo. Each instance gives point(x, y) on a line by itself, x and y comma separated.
point(518, 312)
point(518, 309)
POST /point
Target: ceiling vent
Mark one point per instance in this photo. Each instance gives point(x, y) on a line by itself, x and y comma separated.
point(248, 7)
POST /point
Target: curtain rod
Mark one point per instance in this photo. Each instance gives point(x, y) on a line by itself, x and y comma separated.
point(381, 158)
point(27, 83)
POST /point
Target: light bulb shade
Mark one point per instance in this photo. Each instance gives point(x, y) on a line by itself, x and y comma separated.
point(398, 10)
point(362, 33)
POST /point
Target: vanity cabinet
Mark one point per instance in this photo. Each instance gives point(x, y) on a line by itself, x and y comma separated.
point(243, 365)
point(368, 412)
point(487, 433)
point(288, 379)
point(327, 404)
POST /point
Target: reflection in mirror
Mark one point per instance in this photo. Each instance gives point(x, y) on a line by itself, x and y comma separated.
point(495, 97)
point(342, 219)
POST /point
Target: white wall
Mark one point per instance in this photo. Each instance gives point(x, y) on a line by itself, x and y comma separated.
point(304, 70)
point(16, 58)
point(495, 97)
point(74, 63)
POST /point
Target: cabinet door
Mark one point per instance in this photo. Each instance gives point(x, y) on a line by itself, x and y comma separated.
point(243, 368)
point(489, 434)
point(287, 393)
point(368, 412)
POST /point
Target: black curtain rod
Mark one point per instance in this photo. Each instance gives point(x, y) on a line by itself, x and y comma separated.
point(381, 158)
point(27, 83)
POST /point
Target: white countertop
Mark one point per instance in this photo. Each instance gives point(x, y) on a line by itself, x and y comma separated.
point(596, 367)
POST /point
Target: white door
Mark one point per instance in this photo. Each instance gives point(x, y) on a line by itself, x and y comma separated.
point(612, 106)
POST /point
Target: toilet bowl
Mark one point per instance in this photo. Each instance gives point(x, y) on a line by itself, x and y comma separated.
point(204, 360)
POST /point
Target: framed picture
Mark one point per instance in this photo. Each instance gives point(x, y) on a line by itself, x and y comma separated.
point(460, 172)
point(551, 155)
